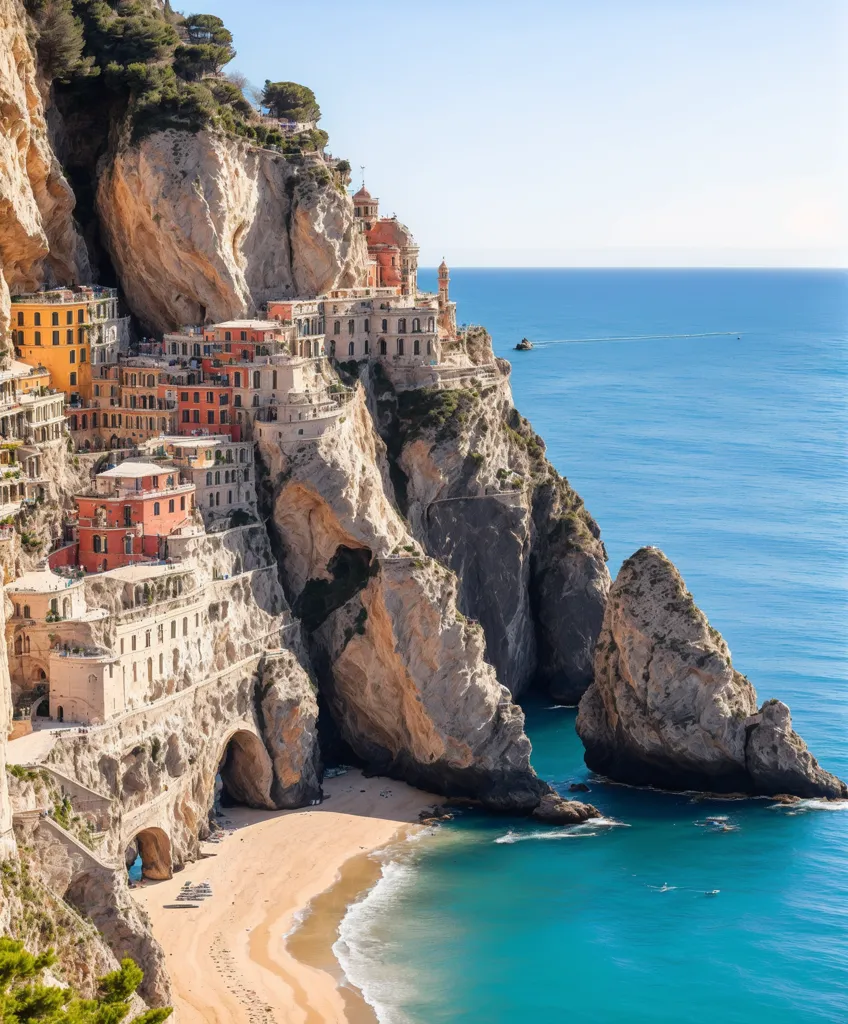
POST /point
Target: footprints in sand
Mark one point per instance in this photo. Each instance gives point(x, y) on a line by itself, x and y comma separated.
point(257, 1012)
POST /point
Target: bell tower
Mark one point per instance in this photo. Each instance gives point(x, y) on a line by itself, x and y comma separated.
point(444, 283)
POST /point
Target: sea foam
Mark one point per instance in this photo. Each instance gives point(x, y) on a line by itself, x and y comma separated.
point(582, 831)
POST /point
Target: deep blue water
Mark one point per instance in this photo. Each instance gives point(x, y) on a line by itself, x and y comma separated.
point(717, 431)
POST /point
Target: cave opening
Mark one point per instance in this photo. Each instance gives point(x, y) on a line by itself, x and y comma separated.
point(148, 855)
point(244, 773)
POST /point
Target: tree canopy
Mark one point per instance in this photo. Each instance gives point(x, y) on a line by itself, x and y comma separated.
point(25, 999)
point(290, 101)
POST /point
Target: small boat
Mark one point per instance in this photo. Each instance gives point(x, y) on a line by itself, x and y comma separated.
point(712, 892)
point(524, 345)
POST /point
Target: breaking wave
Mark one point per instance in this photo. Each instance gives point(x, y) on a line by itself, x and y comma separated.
point(581, 831)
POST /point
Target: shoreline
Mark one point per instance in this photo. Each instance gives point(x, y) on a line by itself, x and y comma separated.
point(259, 950)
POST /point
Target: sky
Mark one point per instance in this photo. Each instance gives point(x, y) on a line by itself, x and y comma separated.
point(580, 132)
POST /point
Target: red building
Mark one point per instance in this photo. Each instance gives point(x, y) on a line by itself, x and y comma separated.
point(207, 407)
point(131, 511)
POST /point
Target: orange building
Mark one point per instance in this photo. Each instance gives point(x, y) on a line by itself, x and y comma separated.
point(130, 512)
point(207, 407)
point(392, 250)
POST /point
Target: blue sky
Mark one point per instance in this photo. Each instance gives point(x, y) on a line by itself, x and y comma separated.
point(593, 133)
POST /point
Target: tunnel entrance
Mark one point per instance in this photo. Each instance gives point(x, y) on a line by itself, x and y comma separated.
point(244, 773)
point(152, 855)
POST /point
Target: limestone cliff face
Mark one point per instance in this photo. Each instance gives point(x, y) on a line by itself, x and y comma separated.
point(201, 226)
point(404, 674)
point(39, 242)
point(472, 478)
point(667, 708)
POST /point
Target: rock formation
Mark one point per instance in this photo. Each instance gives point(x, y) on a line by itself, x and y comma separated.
point(404, 673)
point(471, 476)
point(204, 227)
point(668, 709)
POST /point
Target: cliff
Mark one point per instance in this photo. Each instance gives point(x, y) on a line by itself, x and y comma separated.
point(667, 707)
point(404, 674)
point(39, 241)
point(471, 476)
point(207, 227)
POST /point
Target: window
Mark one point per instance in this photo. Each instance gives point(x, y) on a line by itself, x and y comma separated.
point(132, 643)
point(416, 325)
point(195, 416)
point(416, 347)
point(208, 479)
point(69, 336)
point(217, 476)
point(72, 356)
point(37, 320)
point(54, 319)
point(402, 325)
point(55, 337)
point(69, 317)
point(210, 398)
point(243, 336)
point(161, 664)
point(257, 379)
point(185, 627)
point(128, 545)
point(210, 416)
point(185, 416)
point(382, 346)
point(367, 347)
point(429, 347)
point(366, 326)
point(184, 396)
point(237, 379)
point(147, 638)
point(350, 349)
point(273, 381)
point(431, 324)
point(82, 355)
point(400, 346)
point(337, 327)
point(20, 319)
point(228, 336)
point(171, 505)
point(95, 544)
point(174, 629)
point(26, 612)
point(247, 475)
point(73, 379)
point(225, 418)
point(38, 337)
point(385, 326)
point(351, 326)
point(156, 508)
point(80, 316)
point(196, 398)
point(160, 637)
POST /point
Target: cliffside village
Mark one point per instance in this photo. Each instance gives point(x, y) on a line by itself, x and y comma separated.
point(176, 421)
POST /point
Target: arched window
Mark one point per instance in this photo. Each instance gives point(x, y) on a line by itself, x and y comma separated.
point(237, 380)
point(429, 347)
point(150, 670)
point(351, 326)
point(208, 479)
point(26, 612)
point(385, 326)
point(366, 326)
point(400, 346)
point(257, 379)
point(171, 505)
point(350, 349)
point(128, 545)
point(95, 543)
point(155, 508)
point(72, 356)
point(431, 324)
point(367, 347)
point(217, 476)
point(185, 627)
point(402, 325)
point(416, 347)
point(337, 327)
point(133, 380)
point(382, 346)
point(416, 325)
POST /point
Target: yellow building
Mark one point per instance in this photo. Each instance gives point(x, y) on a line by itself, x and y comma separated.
point(68, 331)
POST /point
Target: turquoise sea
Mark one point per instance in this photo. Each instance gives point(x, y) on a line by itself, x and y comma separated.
point(703, 412)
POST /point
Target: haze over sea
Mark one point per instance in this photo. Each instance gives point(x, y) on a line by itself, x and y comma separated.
point(715, 427)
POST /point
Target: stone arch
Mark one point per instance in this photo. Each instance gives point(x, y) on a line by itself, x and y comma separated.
point(246, 771)
point(154, 848)
point(40, 707)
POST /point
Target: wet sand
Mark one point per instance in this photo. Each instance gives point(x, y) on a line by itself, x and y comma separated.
point(228, 959)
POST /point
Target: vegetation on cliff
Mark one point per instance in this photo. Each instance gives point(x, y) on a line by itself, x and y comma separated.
point(26, 999)
point(163, 69)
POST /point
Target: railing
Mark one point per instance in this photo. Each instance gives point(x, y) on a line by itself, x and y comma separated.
point(63, 297)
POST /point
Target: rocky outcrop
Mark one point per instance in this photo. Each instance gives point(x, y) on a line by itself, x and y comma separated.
point(668, 709)
point(472, 478)
point(204, 227)
point(403, 672)
point(556, 811)
point(39, 242)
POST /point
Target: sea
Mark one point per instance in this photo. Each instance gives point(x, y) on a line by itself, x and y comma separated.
point(704, 412)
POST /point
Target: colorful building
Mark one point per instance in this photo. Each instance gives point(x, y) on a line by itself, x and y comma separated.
point(392, 251)
point(134, 506)
point(68, 331)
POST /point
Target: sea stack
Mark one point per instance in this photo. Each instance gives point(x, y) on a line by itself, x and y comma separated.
point(667, 708)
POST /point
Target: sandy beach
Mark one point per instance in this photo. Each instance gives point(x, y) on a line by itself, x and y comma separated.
point(228, 959)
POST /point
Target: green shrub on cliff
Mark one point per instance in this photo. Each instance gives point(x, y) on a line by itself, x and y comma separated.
point(25, 999)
